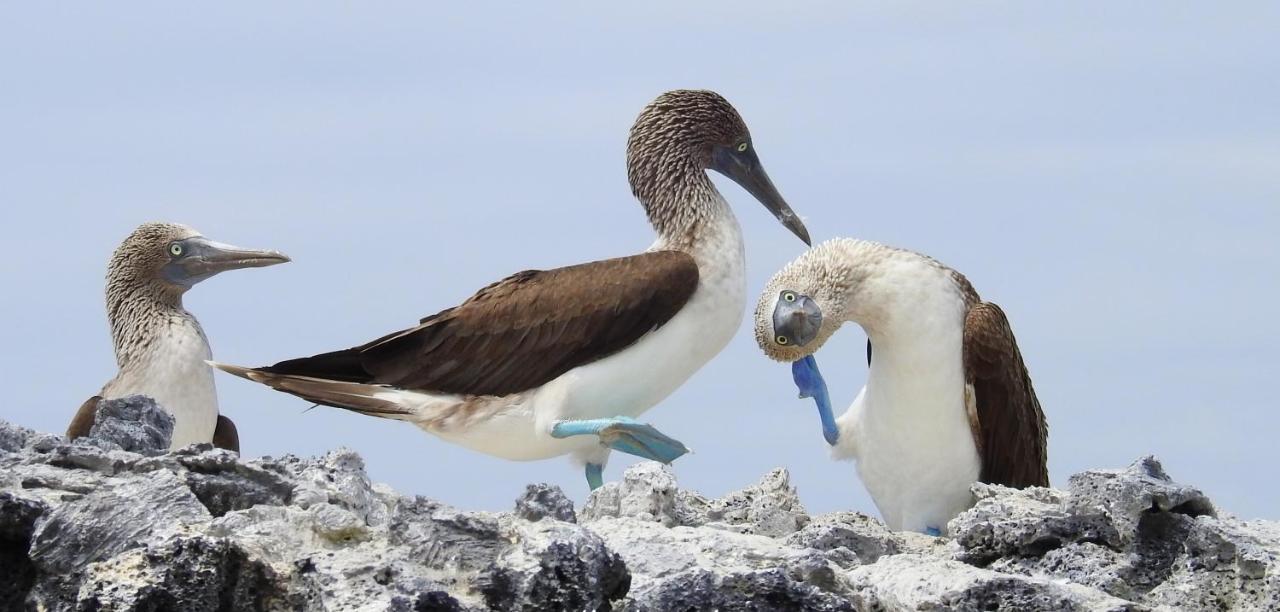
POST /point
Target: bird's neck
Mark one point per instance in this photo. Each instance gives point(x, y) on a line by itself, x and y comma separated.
point(913, 313)
point(684, 207)
point(139, 312)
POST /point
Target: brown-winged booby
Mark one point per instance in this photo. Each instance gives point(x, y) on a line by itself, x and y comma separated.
point(160, 348)
point(549, 362)
point(948, 400)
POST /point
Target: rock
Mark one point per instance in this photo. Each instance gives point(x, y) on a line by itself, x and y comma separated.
point(17, 524)
point(1126, 497)
point(554, 566)
point(183, 573)
point(13, 438)
point(543, 500)
point(917, 582)
point(709, 568)
point(135, 423)
point(88, 525)
point(853, 538)
point(103, 524)
point(1133, 534)
point(223, 483)
point(648, 492)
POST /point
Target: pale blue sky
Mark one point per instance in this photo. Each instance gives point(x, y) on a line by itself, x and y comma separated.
point(1109, 174)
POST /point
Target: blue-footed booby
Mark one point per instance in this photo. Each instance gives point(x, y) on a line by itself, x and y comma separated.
point(947, 401)
point(160, 348)
point(551, 362)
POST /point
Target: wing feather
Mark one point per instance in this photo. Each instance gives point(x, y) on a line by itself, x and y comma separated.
point(1011, 429)
point(522, 331)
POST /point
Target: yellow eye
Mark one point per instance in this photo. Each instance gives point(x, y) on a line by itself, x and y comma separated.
point(789, 296)
point(782, 340)
point(742, 148)
point(175, 249)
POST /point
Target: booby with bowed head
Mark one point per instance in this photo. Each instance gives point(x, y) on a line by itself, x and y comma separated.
point(947, 401)
point(160, 348)
point(551, 362)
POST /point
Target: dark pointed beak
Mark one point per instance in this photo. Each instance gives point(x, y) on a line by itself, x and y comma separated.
point(205, 258)
point(745, 170)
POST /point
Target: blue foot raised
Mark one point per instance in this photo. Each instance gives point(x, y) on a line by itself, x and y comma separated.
point(933, 531)
point(809, 381)
point(627, 435)
point(595, 475)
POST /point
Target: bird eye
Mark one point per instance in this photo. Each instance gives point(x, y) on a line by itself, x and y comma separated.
point(782, 340)
point(742, 147)
point(175, 249)
point(789, 296)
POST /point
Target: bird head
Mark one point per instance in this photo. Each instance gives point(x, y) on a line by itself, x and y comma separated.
point(176, 257)
point(696, 130)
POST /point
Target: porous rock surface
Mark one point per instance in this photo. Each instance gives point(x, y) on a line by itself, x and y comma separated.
point(90, 526)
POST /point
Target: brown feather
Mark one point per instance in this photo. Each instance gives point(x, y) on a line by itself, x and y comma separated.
point(225, 435)
point(520, 332)
point(84, 419)
point(1011, 432)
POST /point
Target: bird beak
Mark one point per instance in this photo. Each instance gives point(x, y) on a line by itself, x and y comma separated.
point(745, 170)
point(799, 320)
point(205, 258)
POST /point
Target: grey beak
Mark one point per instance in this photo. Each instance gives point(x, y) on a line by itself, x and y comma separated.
point(745, 170)
point(204, 258)
point(797, 321)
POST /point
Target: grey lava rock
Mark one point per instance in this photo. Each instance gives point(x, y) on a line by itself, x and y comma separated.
point(90, 526)
point(543, 500)
point(1134, 534)
point(648, 492)
point(135, 423)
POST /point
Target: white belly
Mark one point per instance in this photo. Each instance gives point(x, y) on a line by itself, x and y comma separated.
point(909, 428)
point(175, 375)
point(631, 381)
point(917, 470)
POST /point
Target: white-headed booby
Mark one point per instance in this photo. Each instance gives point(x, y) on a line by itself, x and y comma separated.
point(948, 400)
point(160, 348)
point(549, 362)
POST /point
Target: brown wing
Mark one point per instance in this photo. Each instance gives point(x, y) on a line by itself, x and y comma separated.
point(84, 419)
point(1011, 431)
point(225, 434)
point(522, 331)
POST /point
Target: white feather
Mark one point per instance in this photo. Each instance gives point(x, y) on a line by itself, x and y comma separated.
point(173, 370)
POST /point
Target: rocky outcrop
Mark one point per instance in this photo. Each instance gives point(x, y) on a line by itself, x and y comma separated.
point(92, 526)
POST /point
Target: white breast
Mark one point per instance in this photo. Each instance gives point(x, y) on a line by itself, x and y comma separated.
point(634, 380)
point(908, 429)
point(172, 370)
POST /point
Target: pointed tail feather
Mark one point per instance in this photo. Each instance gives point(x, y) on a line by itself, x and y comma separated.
point(373, 400)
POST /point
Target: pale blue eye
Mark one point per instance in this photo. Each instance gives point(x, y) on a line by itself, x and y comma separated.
point(175, 249)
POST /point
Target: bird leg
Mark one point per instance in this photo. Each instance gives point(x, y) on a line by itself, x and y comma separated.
point(623, 434)
point(810, 383)
point(595, 475)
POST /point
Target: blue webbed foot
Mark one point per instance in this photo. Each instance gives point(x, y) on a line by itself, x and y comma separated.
point(933, 531)
point(627, 435)
point(595, 475)
point(811, 384)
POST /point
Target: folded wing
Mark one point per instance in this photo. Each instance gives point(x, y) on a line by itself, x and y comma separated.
point(1010, 430)
point(520, 332)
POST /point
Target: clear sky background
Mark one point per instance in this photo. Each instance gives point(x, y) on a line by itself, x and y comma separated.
point(1108, 173)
